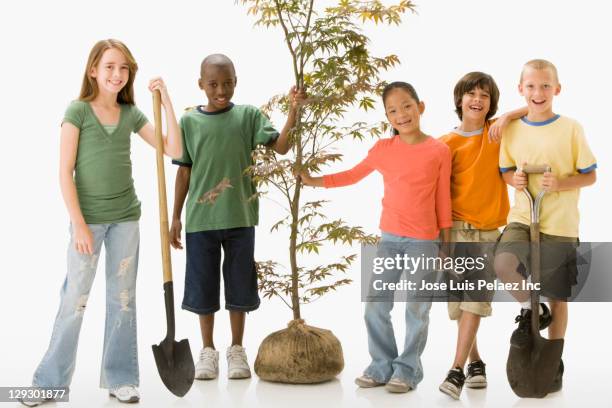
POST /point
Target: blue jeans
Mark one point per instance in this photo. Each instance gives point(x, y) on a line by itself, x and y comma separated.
point(120, 353)
point(386, 362)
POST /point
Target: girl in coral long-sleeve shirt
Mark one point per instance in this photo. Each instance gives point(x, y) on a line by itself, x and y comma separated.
point(416, 207)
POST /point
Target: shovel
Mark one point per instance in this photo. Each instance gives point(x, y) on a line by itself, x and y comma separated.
point(173, 359)
point(531, 370)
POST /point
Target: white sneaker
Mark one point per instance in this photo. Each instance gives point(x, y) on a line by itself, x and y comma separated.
point(397, 386)
point(237, 363)
point(366, 381)
point(125, 393)
point(28, 403)
point(207, 367)
point(35, 403)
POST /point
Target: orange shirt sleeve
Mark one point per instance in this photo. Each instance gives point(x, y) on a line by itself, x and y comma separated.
point(443, 192)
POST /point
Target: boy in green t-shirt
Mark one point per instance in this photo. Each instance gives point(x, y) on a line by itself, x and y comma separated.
point(218, 140)
point(543, 137)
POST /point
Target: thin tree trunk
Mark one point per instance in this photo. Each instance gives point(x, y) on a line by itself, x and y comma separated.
point(295, 207)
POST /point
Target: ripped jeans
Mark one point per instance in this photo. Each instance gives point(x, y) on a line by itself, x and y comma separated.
point(120, 353)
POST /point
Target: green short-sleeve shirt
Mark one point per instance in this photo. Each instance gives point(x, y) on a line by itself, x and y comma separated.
point(218, 146)
point(103, 169)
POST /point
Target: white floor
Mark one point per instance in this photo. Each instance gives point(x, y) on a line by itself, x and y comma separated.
point(586, 360)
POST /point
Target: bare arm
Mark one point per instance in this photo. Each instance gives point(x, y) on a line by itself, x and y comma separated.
point(551, 183)
point(308, 180)
point(69, 143)
point(173, 145)
point(282, 145)
point(495, 132)
point(181, 188)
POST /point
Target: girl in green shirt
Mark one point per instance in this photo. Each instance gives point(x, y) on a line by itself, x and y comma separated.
point(98, 189)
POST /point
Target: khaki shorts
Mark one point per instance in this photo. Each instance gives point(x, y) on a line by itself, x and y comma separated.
point(464, 232)
point(558, 268)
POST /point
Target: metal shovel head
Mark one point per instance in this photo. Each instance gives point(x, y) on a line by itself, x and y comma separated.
point(175, 365)
point(531, 370)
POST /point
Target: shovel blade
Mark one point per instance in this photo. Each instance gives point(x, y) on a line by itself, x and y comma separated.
point(175, 365)
point(532, 370)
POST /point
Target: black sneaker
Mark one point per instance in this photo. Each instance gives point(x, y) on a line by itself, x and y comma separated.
point(558, 382)
point(453, 384)
point(521, 337)
point(476, 375)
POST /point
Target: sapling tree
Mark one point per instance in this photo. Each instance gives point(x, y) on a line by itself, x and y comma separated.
point(330, 58)
point(329, 55)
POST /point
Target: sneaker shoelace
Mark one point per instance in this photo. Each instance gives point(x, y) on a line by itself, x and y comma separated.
point(456, 378)
point(476, 368)
point(236, 356)
point(208, 357)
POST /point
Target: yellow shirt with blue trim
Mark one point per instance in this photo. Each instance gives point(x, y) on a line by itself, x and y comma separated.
point(560, 143)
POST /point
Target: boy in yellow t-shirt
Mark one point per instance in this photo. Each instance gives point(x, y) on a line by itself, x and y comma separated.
point(479, 206)
point(543, 137)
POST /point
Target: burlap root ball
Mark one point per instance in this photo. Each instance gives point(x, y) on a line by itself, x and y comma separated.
point(299, 354)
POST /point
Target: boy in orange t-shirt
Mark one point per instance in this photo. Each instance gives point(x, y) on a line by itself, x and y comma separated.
point(479, 206)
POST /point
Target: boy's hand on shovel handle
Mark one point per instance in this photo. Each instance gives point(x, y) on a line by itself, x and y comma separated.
point(175, 234)
point(550, 182)
point(519, 179)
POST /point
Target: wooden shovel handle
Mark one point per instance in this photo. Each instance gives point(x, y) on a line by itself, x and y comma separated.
point(161, 188)
point(535, 168)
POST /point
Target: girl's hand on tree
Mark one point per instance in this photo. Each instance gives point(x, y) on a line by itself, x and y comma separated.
point(82, 238)
point(305, 177)
point(157, 84)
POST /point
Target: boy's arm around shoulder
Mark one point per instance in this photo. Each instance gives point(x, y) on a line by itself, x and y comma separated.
point(497, 128)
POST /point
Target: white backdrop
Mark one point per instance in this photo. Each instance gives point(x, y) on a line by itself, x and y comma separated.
point(45, 46)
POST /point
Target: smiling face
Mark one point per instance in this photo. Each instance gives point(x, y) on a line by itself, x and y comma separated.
point(218, 82)
point(539, 87)
point(475, 105)
point(112, 71)
point(403, 111)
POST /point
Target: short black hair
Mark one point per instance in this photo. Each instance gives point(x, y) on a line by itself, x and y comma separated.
point(219, 60)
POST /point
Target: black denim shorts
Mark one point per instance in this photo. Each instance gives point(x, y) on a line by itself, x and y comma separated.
point(203, 271)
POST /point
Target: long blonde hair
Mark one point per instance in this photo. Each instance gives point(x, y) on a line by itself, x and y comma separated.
point(89, 88)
